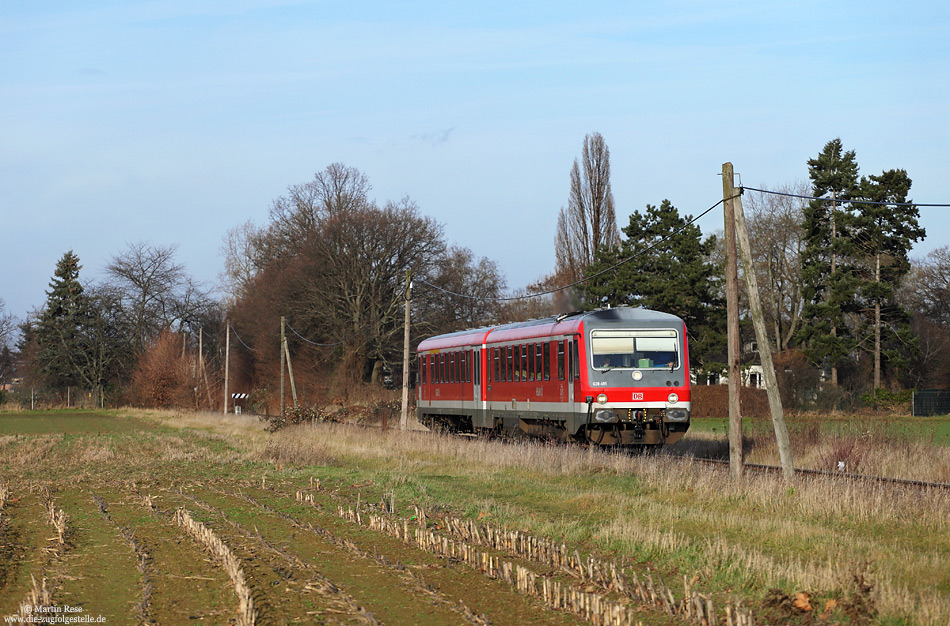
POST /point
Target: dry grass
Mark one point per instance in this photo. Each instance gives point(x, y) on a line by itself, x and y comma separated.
point(754, 533)
point(871, 451)
point(758, 530)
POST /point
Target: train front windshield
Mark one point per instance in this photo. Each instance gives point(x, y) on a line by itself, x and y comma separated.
point(634, 349)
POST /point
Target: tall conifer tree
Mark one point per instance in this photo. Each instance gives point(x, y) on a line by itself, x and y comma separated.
point(59, 329)
point(884, 230)
point(827, 276)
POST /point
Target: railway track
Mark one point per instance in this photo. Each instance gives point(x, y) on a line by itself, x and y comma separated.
point(768, 469)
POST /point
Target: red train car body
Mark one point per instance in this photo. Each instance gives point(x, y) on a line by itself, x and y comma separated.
point(616, 376)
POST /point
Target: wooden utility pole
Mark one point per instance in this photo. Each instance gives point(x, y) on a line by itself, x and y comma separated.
point(227, 364)
point(290, 373)
point(765, 352)
point(282, 339)
point(404, 415)
point(736, 450)
point(201, 363)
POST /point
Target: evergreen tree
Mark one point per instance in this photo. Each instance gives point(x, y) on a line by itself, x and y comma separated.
point(884, 233)
point(671, 272)
point(59, 329)
point(827, 276)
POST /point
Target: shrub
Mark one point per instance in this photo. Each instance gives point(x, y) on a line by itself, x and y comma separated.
point(888, 400)
point(161, 378)
point(301, 415)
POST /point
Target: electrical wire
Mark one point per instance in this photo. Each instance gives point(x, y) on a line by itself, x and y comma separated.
point(841, 200)
point(586, 278)
point(313, 343)
point(233, 330)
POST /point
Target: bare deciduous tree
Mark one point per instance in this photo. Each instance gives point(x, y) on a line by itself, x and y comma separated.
point(297, 217)
point(476, 282)
point(240, 252)
point(926, 288)
point(155, 291)
point(775, 230)
point(925, 291)
point(7, 325)
point(589, 222)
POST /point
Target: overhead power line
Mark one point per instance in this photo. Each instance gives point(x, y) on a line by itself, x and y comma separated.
point(241, 340)
point(313, 343)
point(583, 280)
point(841, 200)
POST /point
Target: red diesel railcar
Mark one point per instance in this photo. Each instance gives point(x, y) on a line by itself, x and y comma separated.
point(616, 376)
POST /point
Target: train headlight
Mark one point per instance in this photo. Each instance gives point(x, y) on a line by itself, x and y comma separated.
point(672, 398)
point(602, 398)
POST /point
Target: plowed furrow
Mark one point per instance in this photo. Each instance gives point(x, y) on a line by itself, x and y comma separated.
point(392, 596)
point(186, 584)
point(143, 559)
point(412, 580)
point(99, 573)
point(475, 594)
point(285, 588)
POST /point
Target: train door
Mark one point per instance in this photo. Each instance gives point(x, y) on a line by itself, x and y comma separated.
point(477, 377)
point(570, 373)
point(575, 357)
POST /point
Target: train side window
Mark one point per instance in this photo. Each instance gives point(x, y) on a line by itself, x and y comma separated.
point(509, 370)
point(468, 366)
point(493, 365)
point(577, 361)
point(422, 368)
point(538, 362)
point(517, 364)
point(477, 377)
point(560, 360)
point(530, 355)
point(524, 362)
point(546, 359)
point(442, 369)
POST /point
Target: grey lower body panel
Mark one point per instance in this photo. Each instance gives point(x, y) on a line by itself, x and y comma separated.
point(554, 425)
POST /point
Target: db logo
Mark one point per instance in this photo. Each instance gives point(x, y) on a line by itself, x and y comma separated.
point(638, 395)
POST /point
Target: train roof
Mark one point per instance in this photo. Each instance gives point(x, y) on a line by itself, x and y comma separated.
point(557, 325)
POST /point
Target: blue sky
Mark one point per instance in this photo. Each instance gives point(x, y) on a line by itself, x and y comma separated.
point(173, 121)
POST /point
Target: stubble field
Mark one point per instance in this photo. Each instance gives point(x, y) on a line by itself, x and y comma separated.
point(139, 518)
